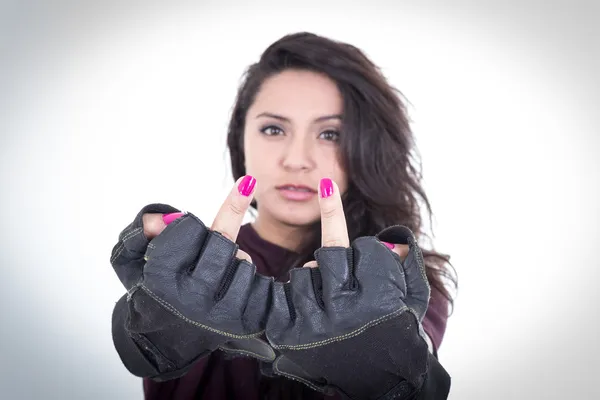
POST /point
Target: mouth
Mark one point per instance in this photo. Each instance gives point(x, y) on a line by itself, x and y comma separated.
point(296, 192)
point(296, 188)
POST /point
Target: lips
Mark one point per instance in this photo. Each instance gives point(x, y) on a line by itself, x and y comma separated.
point(298, 188)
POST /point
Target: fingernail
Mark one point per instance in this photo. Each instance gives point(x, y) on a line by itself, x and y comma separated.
point(388, 245)
point(168, 218)
point(246, 186)
point(326, 187)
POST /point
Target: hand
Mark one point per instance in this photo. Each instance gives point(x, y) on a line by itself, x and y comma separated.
point(351, 323)
point(194, 283)
point(227, 221)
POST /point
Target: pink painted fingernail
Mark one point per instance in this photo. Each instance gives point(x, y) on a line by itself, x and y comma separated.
point(168, 218)
point(326, 187)
point(388, 245)
point(246, 186)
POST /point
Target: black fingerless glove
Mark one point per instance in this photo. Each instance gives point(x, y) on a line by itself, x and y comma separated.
point(353, 324)
point(187, 295)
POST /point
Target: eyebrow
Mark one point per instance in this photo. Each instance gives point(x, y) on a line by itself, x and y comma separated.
point(282, 118)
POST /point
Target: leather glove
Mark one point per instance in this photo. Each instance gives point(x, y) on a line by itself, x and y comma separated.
point(353, 324)
point(188, 295)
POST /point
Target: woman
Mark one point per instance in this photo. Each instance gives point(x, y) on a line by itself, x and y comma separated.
point(322, 149)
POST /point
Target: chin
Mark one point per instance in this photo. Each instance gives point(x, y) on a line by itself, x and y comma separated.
point(296, 214)
point(297, 220)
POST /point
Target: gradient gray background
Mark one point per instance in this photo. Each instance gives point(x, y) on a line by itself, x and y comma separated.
point(107, 107)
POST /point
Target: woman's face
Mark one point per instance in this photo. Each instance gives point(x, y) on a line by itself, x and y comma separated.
point(291, 139)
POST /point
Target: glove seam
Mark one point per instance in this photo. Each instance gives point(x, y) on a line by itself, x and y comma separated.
point(356, 332)
point(420, 261)
point(131, 234)
point(245, 352)
point(294, 377)
point(177, 313)
point(148, 347)
point(121, 247)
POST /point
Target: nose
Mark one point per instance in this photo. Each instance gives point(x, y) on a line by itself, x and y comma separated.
point(297, 155)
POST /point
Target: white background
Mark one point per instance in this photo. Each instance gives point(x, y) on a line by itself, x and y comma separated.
point(105, 108)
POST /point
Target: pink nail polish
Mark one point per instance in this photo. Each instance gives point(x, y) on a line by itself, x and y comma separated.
point(168, 218)
point(246, 186)
point(388, 245)
point(326, 187)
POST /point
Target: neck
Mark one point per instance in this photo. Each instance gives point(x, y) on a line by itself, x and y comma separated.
point(278, 233)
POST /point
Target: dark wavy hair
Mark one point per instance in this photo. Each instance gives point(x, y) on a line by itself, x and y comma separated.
point(377, 148)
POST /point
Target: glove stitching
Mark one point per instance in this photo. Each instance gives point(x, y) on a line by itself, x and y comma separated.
point(117, 252)
point(414, 247)
point(131, 291)
point(126, 231)
point(125, 238)
point(186, 319)
point(132, 234)
point(420, 261)
point(247, 352)
point(347, 335)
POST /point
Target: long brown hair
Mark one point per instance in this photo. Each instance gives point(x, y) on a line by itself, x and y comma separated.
point(377, 147)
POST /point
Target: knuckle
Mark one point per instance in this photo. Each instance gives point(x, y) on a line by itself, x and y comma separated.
point(236, 209)
point(152, 225)
point(329, 213)
point(146, 221)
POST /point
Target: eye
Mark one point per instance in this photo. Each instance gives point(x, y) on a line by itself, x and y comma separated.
point(271, 130)
point(331, 135)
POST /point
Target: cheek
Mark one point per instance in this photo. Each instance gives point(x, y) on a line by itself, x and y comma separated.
point(341, 179)
point(259, 163)
point(251, 158)
point(330, 166)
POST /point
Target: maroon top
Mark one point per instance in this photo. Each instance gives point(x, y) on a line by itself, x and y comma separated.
point(219, 377)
